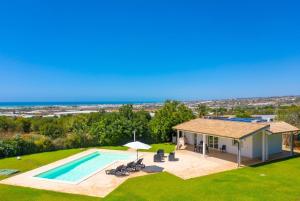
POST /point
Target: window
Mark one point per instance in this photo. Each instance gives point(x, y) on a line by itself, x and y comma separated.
point(213, 142)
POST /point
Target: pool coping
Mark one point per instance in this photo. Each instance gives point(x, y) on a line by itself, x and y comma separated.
point(131, 157)
point(98, 184)
point(44, 168)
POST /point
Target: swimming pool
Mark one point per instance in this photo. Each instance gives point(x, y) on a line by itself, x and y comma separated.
point(82, 168)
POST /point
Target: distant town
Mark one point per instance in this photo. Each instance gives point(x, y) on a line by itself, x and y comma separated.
point(59, 110)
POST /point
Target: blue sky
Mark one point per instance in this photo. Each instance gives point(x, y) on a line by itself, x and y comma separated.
point(148, 50)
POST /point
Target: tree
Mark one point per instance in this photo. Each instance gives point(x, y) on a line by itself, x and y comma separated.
point(140, 124)
point(6, 124)
point(242, 115)
point(290, 115)
point(126, 111)
point(52, 130)
point(202, 110)
point(171, 114)
point(80, 128)
point(23, 124)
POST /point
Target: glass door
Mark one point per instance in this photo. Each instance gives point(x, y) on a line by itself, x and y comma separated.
point(216, 142)
point(213, 142)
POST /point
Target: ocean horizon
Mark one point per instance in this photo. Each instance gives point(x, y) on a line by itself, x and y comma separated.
point(69, 103)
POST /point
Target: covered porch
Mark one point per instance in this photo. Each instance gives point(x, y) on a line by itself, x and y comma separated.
point(207, 145)
point(288, 134)
point(238, 142)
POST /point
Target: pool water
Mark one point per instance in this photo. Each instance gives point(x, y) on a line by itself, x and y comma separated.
point(79, 169)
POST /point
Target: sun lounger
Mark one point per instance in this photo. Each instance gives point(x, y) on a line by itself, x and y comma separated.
point(119, 171)
point(139, 164)
point(131, 167)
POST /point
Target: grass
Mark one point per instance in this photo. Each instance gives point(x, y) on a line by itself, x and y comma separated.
point(274, 181)
point(168, 147)
point(33, 161)
point(12, 193)
point(114, 147)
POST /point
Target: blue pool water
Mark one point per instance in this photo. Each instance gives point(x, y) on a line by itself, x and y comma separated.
point(81, 168)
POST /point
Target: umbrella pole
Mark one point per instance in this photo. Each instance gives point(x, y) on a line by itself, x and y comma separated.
point(137, 154)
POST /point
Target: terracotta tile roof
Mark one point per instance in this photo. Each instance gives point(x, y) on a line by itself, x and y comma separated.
point(221, 128)
point(281, 127)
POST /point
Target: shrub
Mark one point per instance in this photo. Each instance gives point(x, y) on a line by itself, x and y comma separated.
point(72, 140)
point(59, 143)
point(52, 130)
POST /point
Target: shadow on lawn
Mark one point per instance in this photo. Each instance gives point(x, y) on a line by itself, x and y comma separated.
point(275, 161)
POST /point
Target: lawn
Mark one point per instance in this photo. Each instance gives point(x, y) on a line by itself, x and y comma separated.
point(114, 147)
point(168, 147)
point(33, 161)
point(275, 181)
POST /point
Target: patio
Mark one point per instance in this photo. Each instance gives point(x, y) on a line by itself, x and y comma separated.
point(189, 165)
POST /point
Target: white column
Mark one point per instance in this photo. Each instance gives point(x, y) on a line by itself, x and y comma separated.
point(263, 144)
point(177, 140)
point(267, 146)
point(292, 143)
point(204, 145)
point(239, 153)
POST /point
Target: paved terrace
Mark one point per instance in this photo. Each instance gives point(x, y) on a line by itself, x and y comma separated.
point(189, 165)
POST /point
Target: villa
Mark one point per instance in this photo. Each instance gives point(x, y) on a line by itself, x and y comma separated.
point(223, 145)
point(242, 139)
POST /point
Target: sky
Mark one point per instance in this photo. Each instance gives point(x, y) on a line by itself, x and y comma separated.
point(148, 50)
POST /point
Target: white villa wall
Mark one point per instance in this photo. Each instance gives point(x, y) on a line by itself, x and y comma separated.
point(275, 143)
point(257, 145)
point(199, 138)
point(246, 146)
point(251, 146)
point(189, 137)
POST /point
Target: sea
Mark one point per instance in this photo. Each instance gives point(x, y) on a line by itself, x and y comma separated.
point(62, 104)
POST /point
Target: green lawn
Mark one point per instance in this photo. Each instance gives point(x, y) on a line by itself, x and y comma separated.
point(168, 147)
point(33, 161)
point(114, 147)
point(275, 181)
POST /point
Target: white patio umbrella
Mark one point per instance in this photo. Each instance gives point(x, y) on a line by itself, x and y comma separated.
point(137, 145)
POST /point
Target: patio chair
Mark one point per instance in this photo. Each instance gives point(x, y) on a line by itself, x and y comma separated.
point(223, 148)
point(172, 157)
point(195, 148)
point(161, 152)
point(157, 158)
point(200, 149)
point(206, 147)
